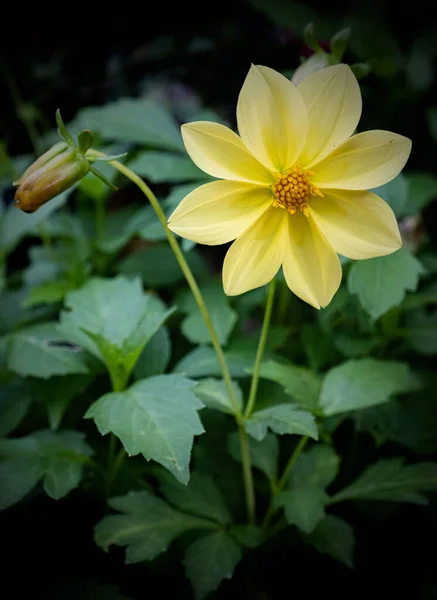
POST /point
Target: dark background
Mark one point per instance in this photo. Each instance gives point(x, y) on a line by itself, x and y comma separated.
point(75, 55)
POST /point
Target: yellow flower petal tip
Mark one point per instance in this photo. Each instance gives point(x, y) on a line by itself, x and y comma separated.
point(293, 186)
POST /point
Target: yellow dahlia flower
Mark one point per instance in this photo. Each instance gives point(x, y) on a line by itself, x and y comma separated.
point(293, 189)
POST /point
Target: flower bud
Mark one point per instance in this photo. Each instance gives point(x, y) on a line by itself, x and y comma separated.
point(54, 172)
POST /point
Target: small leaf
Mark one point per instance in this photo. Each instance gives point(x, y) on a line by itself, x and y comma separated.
point(357, 384)
point(283, 418)
point(303, 506)
point(214, 394)
point(201, 497)
point(62, 130)
point(423, 190)
point(156, 417)
point(390, 480)
point(264, 454)
point(41, 351)
point(395, 193)
point(17, 478)
point(334, 537)
point(202, 362)
point(155, 357)
point(209, 560)
point(14, 404)
point(317, 467)
point(160, 167)
point(381, 283)
point(248, 536)
point(85, 140)
point(146, 526)
point(339, 42)
point(301, 383)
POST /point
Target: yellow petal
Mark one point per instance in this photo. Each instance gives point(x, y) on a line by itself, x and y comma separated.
point(333, 100)
point(256, 256)
point(311, 268)
point(218, 212)
point(363, 162)
point(357, 224)
point(220, 152)
point(272, 118)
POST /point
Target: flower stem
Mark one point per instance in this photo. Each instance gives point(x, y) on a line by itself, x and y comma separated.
point(260, 350)
point(249, 489)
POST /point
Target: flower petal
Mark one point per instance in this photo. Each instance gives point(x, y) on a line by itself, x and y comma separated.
point(218, 212)
point(219, 151)
point(363, 162)
point(333, 100)
point(256, 256)
point(357, 224)
point(272, 118)
point(311, 268)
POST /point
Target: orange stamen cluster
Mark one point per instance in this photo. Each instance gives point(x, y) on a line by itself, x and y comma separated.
point(292, 189)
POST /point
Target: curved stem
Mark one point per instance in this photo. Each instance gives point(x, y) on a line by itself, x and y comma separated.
point(260, 350)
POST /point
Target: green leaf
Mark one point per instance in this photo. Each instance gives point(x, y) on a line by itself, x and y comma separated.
point(416, 422)
point(214, 394)
point(381, 283)
point(57, 457)
point(209, 560)
point(264, 454)
point(48, 292)
point(202, 362)
point(222, 315)
point(303, 507)
point(113, 319)
point(248, 536)
point(200, 497)
point(137, 120)
point(41, 351)
point(353, 346)
point(317, 467)
point(161, 167)
point(423, 190)
point(390, 480)
point(57, 393)
point(395, 193)
point(156, 417)
point(14, 404)
point(301, 383)
point(85, 140)
point(284, 418)
point(146, 526)
point(357, 384)
point(334, 537)
point(155, 357)
point(339, 42)
point(143, 263)
point(421, 333)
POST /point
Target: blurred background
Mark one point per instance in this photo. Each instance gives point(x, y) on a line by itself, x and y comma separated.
point(191, 58)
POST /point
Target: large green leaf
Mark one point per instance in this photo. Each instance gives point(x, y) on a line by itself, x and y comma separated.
point(357, 384)
point(301, 383)
point(214, 394)
point(334, 537)
point(113, 319)
point(161, 167)
point(146, 526)
point(423, 189)
point(156, 417)
point(395, 193)
point(200, 497)
point(303, 506)
point(222, 315)
point(202, 362)
point(14, 404)
point(42, 351)
point(284, 418)
point(264, 454)
point(155, 357)
point(57, 457)
point(209, 560)
point(390, 480)
point(382, 283)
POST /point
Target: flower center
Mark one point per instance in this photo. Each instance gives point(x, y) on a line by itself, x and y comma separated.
point(292, 189)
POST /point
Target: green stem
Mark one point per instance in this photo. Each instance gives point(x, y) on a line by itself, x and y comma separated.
point(245, 452)
point(260, 350)
point(288, 468)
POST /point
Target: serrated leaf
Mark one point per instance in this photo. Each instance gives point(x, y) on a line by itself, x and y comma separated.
point(382, 283)
point(317, 467)
point(200, 497)
point(214, 394)
point(155, 357)
point(301, 383)
point(41, 351)
point(303, 507)
point(14, 404)
point(161, 167)
point(283, 418)
point(395, 193)
point(209, 560)
point(334, 537)
point(202, 362)
point(146, 526)
point(390, 480)
point(155, 417)
point(57, 457)
point(222, 315)
point(264, 454)
point(357, 384)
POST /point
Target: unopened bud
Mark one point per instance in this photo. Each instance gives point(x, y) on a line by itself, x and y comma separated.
point(54, 172)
